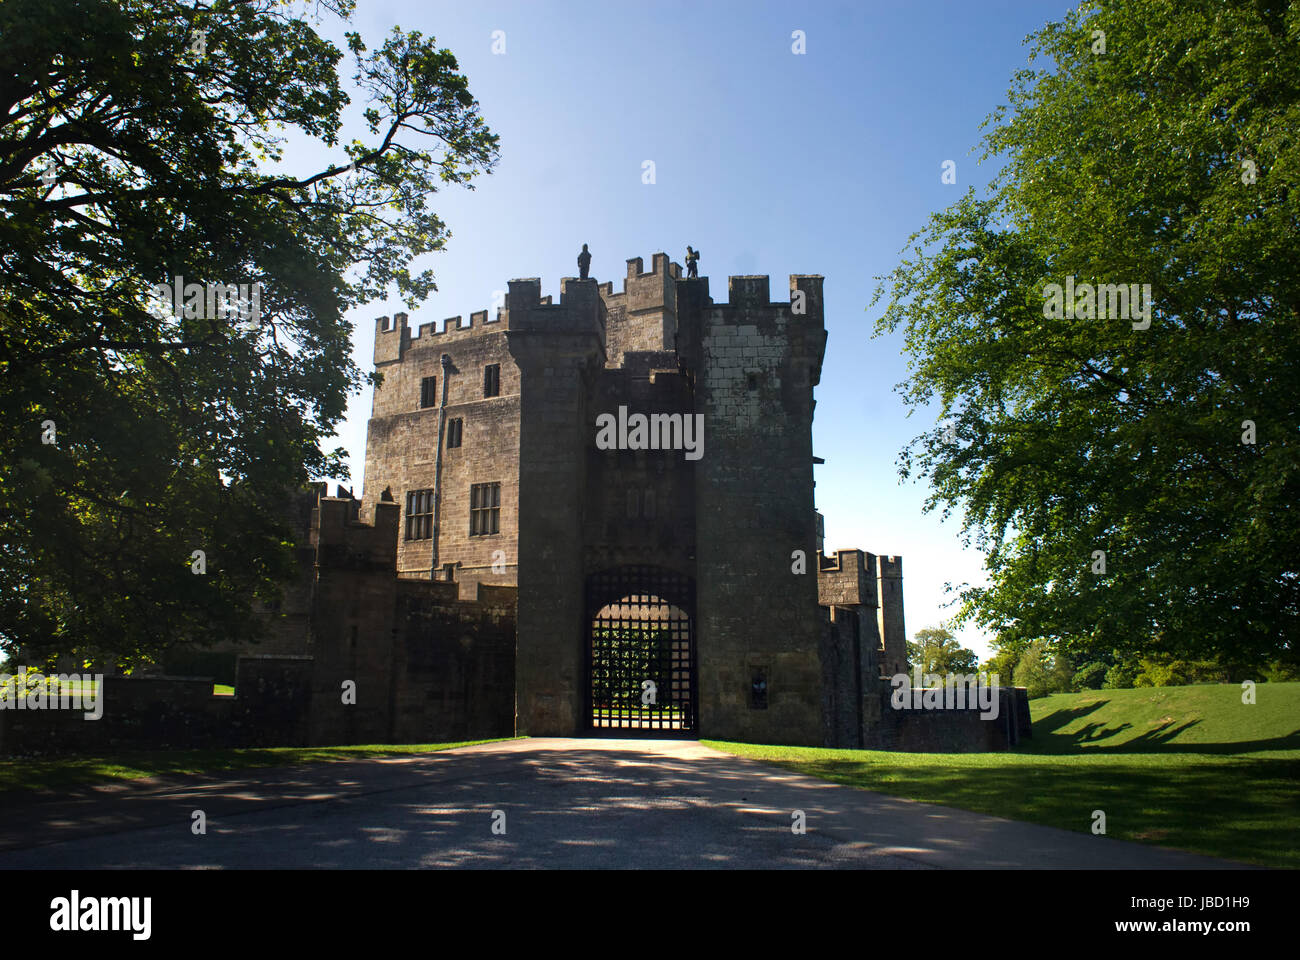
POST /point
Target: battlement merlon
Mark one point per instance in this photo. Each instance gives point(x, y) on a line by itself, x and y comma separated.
point(392, 338)
point(523, 295)
point(889, 616)
point(660, 266)
point(469, 597)
point(574, 292)
point(748, 291)
point(810, 286)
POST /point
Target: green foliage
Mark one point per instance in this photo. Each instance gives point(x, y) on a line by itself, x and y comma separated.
point(1003, 663)
point(1072, 436)
point(1171, 672)
point(1061, 679)
point(1279, 672)
point(182, 433)
point(1151, 675)
point(1120, 676)
point(1090, 676)
point(935, 650)
point(1033, 671)
point(1035, 666)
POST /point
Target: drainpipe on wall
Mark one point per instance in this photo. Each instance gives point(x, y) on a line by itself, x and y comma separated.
point(437, 466)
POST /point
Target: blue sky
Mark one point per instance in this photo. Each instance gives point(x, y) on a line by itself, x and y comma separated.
point(766, 161)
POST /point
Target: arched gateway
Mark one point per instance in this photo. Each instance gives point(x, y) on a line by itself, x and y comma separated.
point(640, 653)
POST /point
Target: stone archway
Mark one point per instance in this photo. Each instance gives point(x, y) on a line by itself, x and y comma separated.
point(641, 677)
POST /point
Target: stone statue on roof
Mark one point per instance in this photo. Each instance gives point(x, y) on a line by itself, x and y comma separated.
point(692, 264)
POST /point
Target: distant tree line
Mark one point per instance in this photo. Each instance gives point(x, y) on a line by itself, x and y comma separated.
point(1043, 667)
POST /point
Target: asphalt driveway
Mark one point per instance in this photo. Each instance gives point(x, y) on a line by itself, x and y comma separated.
point(535, 803)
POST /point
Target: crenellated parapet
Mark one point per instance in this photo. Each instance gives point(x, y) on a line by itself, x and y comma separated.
point(342, 540)
point(890, 567)
point(752, 328)
point(754, 290)
point(393, 337)
point(847, 578)
point(645, 289)
point(346, 544)
point(643, 316)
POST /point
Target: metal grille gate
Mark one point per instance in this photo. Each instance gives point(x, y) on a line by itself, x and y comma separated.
point(641, 652)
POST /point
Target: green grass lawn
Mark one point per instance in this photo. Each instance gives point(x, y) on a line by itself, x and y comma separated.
point(1185, 767)
point(41, 773)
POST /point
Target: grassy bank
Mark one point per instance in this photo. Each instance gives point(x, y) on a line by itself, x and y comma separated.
point(1185, 767)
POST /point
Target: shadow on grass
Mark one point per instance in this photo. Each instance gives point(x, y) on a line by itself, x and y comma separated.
point(1092, 738)
point(1245, 809)
point(1059, 718)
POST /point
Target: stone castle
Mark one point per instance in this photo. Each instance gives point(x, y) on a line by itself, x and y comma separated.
point(514, 569)
point(486, 435)
point(500, 416)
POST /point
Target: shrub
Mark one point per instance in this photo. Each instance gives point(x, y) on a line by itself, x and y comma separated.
point(1119, 677)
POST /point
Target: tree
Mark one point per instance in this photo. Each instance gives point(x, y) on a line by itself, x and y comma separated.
point(1062, 675)
point(1277, 672)
point(1120, 676)
point(1033, 671)
point(935, 650)
point(1133, 484)
point(1090, 676)
point(139, 146)
point(1170, 672)
point(1003, 664)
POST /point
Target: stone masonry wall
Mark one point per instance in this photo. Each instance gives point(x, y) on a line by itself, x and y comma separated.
point(641, 503)
point(559, 351)
point(893, 633)
point(455, 662)
point(402, 441)
point(756, 363)
point(643, 317)
point(950, 730)
point(432, 661)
